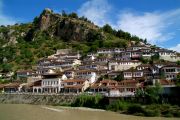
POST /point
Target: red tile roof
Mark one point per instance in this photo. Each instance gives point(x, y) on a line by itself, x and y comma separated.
point(2, 86)
point(73, 86)
point(108, 81)
point(12, 85)
point(166, 82)
point(96, 85)
point(74, 80)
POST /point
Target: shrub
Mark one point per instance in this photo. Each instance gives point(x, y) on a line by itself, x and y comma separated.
point(176, 113)
point(118, 105)
point(135, 108)
point(168, 115)
point(170, 111)
point(92, 101)
point(152, 113)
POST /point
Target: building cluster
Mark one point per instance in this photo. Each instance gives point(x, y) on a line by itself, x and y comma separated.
point(111, 72)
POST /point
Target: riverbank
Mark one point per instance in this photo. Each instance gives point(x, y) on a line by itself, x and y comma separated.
point(38, 99)
point(92, 103)
point(38, 112)
point(127, 107)
point(80, 108)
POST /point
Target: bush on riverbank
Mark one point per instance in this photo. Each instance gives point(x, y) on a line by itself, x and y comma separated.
point(133, 108)
point(91, 101)
point(118, 106)
point(165, 110)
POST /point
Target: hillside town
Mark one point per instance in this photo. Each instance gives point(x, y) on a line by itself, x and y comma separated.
point(110, 72)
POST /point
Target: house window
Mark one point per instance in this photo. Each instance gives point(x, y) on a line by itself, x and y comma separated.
point(113, 67)
point(70, 83)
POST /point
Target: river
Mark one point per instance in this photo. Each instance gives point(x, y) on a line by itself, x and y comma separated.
point(38, 112)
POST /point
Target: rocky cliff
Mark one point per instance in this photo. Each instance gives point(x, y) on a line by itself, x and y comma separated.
point(65, 27)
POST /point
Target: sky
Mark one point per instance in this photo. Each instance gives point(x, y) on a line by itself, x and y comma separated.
point(156, 20)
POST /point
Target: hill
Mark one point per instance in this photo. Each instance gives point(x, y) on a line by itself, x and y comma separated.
point(21, 45)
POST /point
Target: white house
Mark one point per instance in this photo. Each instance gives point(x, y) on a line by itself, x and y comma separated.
point(51, 82)
point(74, 85)
point(122, 65)
point(170, 71)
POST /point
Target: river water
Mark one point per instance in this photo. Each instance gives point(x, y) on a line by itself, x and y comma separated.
point(37, 112)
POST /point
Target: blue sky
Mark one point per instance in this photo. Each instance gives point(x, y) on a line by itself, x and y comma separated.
point(156, 20)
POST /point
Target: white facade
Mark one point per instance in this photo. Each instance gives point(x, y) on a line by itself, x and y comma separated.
point(171, 58)
point(170, 72)
point(122, 65)
point(51, 85)
point(105, 51)
point(130, 75)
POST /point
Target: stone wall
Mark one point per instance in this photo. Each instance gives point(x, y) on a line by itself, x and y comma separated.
point(37, 99)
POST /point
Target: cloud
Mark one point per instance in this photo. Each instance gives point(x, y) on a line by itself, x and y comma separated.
point(4, 19)
point(96, 10)
point(156, 27)
point(153, 26)
point(176, 48)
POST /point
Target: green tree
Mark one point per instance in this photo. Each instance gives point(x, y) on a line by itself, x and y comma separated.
point(143, 60)
point(145, 41)
point(135, 38)
point(127, 36)
point(36, 20)
point(107, 28)
point(73, 15)
point(64, 13)
point(119, 77)
point(120, 33)
point(124, 35)
point(139, 92)
point(178, 62)
point(178, 80)
point(155, 57)
point(83, 18)
point(93, 36)
point(152, 93)
point(6, 68)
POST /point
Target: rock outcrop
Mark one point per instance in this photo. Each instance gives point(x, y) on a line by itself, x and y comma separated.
point(67, 28)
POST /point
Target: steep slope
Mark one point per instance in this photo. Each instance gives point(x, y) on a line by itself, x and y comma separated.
point(21, 45)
